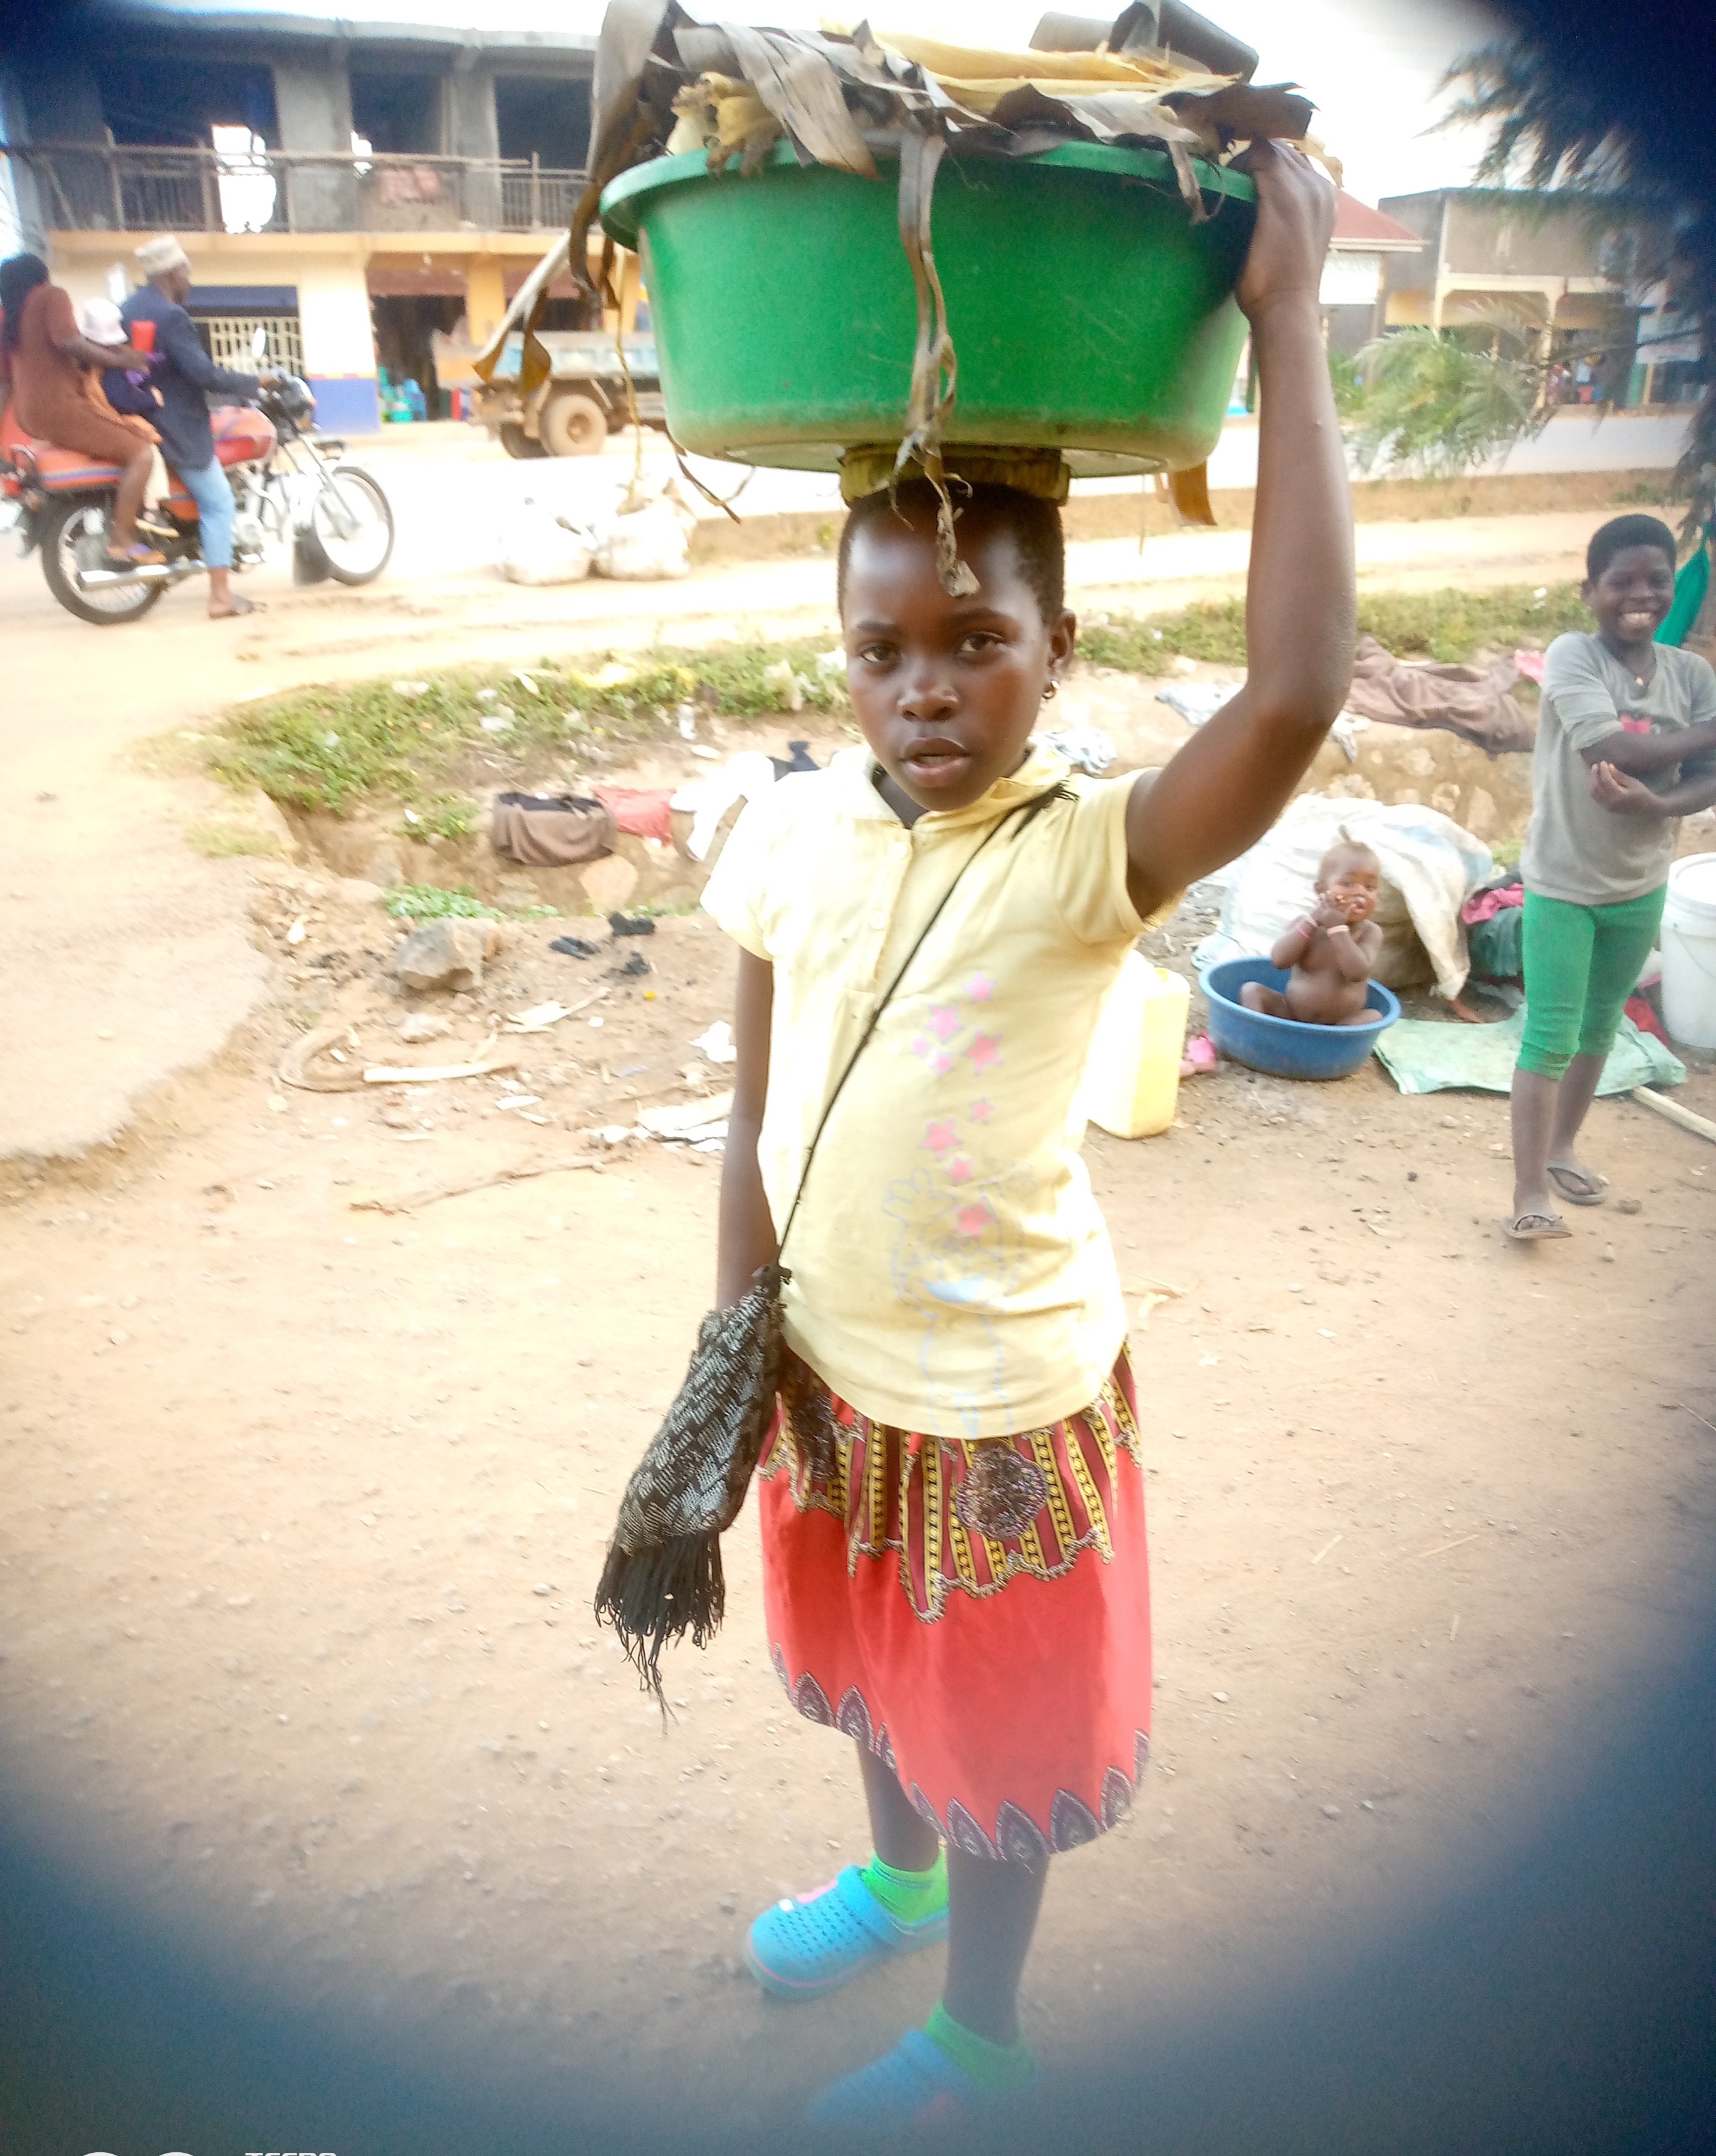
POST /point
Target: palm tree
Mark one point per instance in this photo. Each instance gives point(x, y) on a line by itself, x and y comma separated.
point(1433, 406)
point(1568, 110)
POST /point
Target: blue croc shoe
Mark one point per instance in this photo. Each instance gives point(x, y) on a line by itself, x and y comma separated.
point(916, 2086)
point(815, 1943)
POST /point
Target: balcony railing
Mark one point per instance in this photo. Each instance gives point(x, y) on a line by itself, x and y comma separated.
point(92, 187)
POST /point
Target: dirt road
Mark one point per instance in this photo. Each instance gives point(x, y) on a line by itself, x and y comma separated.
point(307, 1500)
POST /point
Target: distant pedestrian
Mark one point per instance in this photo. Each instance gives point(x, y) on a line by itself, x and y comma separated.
point(1625, 745)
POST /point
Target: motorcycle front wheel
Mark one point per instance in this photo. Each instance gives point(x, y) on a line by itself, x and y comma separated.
point(355, 531)
point(69, 528)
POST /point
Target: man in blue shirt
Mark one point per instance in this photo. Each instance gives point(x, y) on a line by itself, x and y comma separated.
point(185, 375)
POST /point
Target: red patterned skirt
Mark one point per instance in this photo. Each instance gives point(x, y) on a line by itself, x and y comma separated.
point(977, 1613)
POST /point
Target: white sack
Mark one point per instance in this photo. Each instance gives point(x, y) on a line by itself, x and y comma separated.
point(646, 544)
point(742, 777)
point(1432, 863)
point(536, 547)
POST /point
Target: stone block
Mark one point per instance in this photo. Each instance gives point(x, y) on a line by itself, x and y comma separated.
point(442, 954)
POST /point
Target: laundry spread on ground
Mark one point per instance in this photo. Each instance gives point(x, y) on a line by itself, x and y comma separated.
point(1475, 702)
point(1432, 1055)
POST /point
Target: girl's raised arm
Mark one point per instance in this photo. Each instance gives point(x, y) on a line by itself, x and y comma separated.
point(1231, 782)
point(746, 1236)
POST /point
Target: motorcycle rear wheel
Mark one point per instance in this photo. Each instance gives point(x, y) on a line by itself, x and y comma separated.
point(108, 605)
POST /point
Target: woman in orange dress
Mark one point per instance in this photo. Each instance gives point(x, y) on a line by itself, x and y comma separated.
point(43, 356)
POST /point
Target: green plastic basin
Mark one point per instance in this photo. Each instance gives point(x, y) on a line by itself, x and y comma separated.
point(1089, 313)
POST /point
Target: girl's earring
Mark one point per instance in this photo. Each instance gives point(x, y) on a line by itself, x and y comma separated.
point(1051, 692)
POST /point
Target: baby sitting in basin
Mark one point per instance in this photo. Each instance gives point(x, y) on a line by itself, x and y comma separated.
point(1327, 954)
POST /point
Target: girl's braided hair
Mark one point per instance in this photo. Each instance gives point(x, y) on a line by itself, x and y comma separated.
point(1033, 525)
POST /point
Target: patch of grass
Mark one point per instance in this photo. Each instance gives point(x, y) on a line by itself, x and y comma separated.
point(442, 816)
point(1451, 625)
point(330, 748)
point(223, 842)
point(1446, 625)
point(429, 901)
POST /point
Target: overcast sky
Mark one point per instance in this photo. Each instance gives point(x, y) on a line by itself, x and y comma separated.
point(1373, 65)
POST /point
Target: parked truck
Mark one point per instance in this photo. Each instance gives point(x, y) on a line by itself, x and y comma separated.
point(583, 401)
point(585, 398)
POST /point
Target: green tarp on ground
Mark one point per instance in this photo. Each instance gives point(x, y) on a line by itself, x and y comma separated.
point(1426, 1056)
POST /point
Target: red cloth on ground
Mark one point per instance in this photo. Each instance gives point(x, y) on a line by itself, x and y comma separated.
point(977, 1614)
point(1644, 1017)
point(642, 810)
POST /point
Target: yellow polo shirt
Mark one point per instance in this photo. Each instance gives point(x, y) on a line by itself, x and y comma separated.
point(951, 1272)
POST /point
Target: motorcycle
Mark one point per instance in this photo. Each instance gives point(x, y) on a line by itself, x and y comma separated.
point(288, 485)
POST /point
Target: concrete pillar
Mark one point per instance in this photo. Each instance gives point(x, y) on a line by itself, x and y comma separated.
point(485, 297)
point(473, 131)
point(339, 344)
point(60, 103)
point(313, 99)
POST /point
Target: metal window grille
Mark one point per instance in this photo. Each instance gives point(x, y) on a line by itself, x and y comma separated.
point(229, 342)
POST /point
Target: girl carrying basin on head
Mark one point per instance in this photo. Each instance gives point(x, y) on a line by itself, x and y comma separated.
point(952, 1503)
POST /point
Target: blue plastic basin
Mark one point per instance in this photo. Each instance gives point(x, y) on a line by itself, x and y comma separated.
point(1285, 1047)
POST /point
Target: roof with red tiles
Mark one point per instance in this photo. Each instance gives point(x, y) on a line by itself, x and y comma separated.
point(1359, 226)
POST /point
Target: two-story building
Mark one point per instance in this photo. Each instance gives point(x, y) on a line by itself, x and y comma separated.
point(1552, 267)
point(351, 188)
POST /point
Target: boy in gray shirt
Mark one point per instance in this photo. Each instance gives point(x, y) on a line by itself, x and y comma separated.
point(1626, 746)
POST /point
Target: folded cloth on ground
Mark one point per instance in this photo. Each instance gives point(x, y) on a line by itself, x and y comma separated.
point(644, 811)
point(1428, 1055)
point(1486, 905)
point(550, 830)
point(1198, 702)
point(1432, 863)
point(1472, 702)
point(1496, 945)
point(1086, 747)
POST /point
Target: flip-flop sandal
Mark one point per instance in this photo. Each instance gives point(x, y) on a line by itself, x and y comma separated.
point(133, 557)
point(1536, 1228)
point(917, 2085)
point(1575, 1185)
point(815, 1943)
point(237, 607)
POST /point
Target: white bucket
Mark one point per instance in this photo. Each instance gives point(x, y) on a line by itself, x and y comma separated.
point(1689, 952)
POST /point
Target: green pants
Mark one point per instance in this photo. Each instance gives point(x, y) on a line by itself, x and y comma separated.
point(1580, 964)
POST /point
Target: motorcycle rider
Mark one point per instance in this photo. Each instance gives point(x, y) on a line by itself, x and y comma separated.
point(184, 374)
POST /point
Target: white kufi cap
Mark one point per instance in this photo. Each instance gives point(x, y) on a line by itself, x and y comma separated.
point(157, 256)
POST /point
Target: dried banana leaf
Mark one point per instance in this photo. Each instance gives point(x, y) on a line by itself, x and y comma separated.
point(792, 75)
point(968, 63)
point(1244, 111)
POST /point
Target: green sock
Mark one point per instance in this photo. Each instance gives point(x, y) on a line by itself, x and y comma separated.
point(996, 2069)
point(908, 1895)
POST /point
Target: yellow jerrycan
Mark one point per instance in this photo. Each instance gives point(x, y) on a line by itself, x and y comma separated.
point(1132, 1081)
